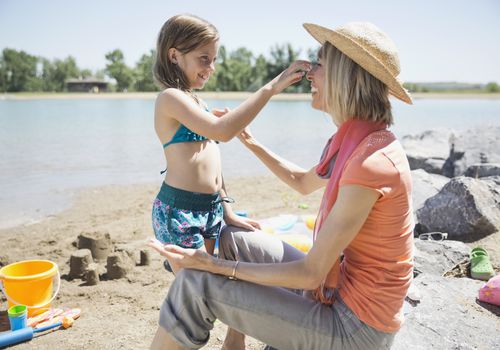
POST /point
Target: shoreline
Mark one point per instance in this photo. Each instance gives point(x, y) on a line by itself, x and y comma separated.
point(218, 96)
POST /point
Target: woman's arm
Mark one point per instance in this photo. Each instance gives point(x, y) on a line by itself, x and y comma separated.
point(346, 218)
point(302, 180)
point(173, 103)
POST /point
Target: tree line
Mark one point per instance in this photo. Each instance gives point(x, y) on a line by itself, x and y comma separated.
point(237, 70)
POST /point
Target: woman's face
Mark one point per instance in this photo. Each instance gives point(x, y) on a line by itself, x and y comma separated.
point(317, 78)
point(198, 65)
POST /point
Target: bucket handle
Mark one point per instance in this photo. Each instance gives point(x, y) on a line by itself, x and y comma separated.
point(4, 291)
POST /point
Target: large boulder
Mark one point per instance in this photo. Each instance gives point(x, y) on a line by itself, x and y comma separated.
point(428, 150)
point(425, 186)
point(466, 208)
point(448, 316)
point(483, 170)
point(436, 258)
point(475, 146)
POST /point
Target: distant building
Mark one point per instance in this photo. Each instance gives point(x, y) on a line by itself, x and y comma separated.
point(90, 84)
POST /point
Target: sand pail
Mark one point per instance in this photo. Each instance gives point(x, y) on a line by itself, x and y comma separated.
point(30, 283)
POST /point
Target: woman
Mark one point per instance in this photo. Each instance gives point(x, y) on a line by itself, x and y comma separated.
point(365, 215)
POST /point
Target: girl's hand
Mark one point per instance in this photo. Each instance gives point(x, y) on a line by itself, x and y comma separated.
point(294, 73)
point(181, 258)
point(239, 221)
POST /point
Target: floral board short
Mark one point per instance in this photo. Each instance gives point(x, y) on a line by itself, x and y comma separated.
point(186, 218)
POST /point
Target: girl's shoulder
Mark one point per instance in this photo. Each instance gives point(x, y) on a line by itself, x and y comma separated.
point(172, 98)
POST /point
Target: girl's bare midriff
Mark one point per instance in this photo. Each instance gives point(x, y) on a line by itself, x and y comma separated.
point(194, 166)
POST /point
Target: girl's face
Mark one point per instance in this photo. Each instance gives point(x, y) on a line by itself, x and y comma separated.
point(199, 64)
point(317, 78)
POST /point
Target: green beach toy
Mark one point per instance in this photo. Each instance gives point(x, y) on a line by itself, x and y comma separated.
point(480, 264)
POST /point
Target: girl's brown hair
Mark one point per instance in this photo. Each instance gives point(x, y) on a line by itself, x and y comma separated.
point(352, 92)
point(184, 33)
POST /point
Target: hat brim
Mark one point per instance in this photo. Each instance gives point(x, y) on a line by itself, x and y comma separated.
point(369, 62)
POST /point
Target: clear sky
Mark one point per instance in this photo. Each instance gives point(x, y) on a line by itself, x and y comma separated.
point(438, 40)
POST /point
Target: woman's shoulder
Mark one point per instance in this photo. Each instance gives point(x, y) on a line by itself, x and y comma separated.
point(378, 154)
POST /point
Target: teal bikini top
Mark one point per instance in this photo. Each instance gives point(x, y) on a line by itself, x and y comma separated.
point(183, 134)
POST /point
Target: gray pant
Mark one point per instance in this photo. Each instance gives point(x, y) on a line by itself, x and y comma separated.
point(276, 316)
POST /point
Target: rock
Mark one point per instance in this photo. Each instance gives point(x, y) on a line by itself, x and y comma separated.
point(437, 257)
point(466, 208)
point(92, 275)
point(79, 263)
point(119, 264)
point(4, 260)
point(475, 146)
point(483, 170)
point(448, 317)
point(428, 150)
point(425, 186)
point(99, 244)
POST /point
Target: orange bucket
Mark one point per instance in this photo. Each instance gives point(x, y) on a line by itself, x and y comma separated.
point(30, 283)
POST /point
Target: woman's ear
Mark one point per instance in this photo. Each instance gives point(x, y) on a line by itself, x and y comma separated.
point(172, 55)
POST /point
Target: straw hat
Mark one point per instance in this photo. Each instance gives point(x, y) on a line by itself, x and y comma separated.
point(369, 47)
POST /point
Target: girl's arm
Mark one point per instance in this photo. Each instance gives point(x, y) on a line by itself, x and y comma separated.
point(173, 103)
point(230, 217)
point(346, 218)
point(302, 180)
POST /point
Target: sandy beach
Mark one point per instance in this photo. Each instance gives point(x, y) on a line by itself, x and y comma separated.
point(123, 314)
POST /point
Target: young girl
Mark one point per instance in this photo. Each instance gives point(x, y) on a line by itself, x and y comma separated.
point(192, 202)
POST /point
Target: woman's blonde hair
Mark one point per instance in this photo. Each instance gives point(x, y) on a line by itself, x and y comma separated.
point(184, 33)
point(352, 92)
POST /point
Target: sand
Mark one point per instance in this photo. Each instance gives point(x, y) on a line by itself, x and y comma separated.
point(123, 314)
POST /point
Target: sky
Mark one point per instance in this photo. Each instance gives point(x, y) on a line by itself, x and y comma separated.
point(438, 40)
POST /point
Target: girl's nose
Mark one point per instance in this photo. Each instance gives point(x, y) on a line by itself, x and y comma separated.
point(212, 66)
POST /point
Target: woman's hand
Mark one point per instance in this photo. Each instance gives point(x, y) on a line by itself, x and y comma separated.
point(239, 221)
point(181, 258)
point(294, 73)
point(220, 112)
point(246, 136)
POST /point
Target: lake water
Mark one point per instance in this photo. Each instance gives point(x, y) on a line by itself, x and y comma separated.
point(51, 148)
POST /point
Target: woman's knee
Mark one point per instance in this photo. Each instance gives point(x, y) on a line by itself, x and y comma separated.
point(229, 239)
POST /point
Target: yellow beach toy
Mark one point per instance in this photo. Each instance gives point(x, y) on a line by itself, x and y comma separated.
point(301, 242)
point(291, 229)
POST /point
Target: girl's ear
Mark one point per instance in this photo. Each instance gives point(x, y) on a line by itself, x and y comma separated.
point(172, 52)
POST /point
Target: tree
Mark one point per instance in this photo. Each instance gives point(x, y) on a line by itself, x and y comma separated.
point(64, 70)
point(259, 73)
point(18, 70)
point(144, 73)
point(85, 73)
point(282, 56)
point(492, 87)
point(118, 70)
